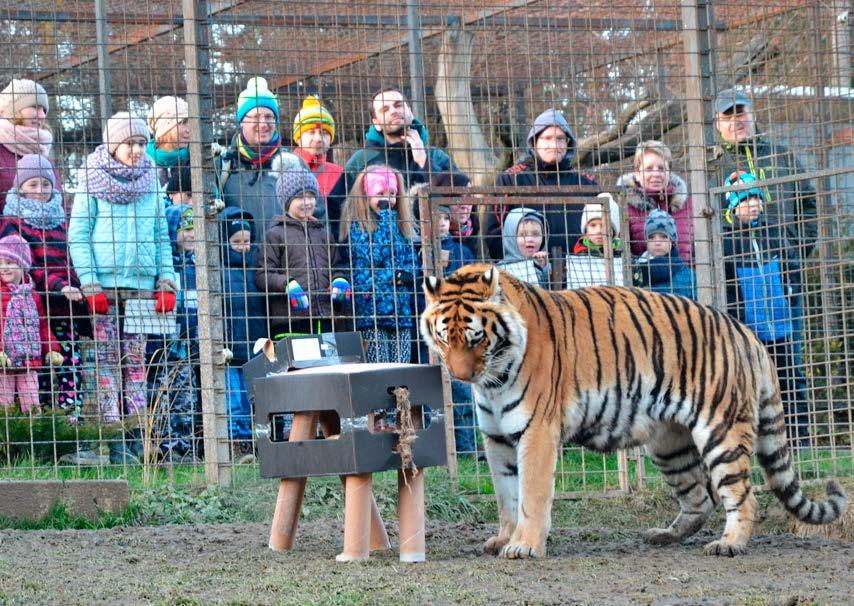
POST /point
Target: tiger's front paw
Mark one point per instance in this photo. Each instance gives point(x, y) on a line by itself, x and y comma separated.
point(494, 544)
point(722, 547)
point(520, 551)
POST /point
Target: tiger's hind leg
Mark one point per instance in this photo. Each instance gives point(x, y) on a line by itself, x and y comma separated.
point(729, 467)
point(501, 457)
point(673, 451)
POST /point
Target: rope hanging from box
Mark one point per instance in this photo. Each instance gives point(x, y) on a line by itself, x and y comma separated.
point(405, 429)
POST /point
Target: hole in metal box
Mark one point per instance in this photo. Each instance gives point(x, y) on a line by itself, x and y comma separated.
point(329, 425)
point(384, 419)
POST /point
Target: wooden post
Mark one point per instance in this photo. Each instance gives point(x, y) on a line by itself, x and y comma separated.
point(358, 496)
point(289, 500)
point(410, 513)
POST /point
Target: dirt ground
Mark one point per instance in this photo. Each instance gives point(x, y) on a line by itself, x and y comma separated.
point(230, 564)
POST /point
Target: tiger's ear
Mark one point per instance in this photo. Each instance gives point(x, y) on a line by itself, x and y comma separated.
point(431, 288)
point(491, 276)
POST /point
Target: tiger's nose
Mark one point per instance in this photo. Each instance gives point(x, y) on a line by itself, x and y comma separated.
point(461, 367)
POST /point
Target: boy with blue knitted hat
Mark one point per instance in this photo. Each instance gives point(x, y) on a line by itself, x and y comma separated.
point(660, 268)
point(296, 270)
point(763, 290)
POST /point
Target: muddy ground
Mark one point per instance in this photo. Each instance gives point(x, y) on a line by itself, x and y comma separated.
point(230, 564)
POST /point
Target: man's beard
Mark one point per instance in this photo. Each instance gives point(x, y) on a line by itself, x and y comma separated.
point(395, 129)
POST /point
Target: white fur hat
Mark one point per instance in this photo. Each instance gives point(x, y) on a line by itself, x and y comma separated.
point(593, 210)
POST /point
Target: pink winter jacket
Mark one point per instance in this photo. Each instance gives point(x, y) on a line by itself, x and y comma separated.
point(674, 200)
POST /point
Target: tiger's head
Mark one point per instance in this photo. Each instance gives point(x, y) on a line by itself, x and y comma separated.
point(472, 327)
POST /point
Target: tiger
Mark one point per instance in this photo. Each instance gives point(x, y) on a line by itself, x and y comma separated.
point(608, 368)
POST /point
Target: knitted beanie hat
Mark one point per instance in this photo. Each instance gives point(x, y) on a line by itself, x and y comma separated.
point(594, 211)
point(312, 115)
point(32, 166)
point(17, 250)
point(165, 115)
point(550, 117)
point(232, 224)
point(292, 183)
point(179, 181)
point(19, 94)
point(256, 94)
point(121, 127)
point(660, 222)
point(734, 198)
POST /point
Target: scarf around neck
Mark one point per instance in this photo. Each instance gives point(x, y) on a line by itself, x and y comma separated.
point(41, 215)
point(163, 158)
point(105, 178)
point(254, 157)
point(23, 140)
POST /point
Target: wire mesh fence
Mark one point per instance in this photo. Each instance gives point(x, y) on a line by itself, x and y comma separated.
point(242, 194)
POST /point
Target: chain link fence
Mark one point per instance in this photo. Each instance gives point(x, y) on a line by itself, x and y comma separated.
point(159, 243)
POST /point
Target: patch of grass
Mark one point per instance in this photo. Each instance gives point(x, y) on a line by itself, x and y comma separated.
point(45, 437)
point(59, 518)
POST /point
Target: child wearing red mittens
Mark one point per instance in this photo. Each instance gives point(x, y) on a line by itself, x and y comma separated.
point(119, 244)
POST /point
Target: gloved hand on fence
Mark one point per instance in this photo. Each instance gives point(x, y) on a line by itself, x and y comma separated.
point(98, 303)
point(5, 362)
point(165, 302)
point(341, 291)
point(297, 296)
point(53, 358)
point(404, 278)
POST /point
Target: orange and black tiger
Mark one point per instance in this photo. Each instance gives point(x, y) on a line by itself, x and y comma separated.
point(610, 368)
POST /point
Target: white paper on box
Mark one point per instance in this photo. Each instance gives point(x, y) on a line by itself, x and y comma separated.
point(306, 349)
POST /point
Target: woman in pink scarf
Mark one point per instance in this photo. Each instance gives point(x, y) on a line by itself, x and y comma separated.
point(23, 130)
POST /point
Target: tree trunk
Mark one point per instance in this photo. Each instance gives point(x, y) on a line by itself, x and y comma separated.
point(467, 144)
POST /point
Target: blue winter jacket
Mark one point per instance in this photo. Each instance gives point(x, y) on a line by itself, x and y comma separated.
point(380, 301)
point(185, 269)
point(459, 254)
point(120, 245)
point(243, 304)
point(668, 274)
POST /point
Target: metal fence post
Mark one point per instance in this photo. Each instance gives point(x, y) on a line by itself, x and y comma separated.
point(206, 231)
point(707, 230)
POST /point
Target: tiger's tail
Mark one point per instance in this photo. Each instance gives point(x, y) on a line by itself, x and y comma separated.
point(773, 455)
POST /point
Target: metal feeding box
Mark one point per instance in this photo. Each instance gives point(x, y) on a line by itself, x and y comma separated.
point(305, 383)
point(362, 397)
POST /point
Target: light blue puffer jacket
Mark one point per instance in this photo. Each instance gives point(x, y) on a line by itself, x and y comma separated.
point(120, 245)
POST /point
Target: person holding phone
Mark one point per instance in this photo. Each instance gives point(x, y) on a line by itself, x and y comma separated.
point(396, 138)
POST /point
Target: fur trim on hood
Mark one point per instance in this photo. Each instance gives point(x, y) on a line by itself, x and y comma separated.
point(677, 197)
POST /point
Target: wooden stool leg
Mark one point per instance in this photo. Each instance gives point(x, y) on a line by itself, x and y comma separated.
point(289, 501)
point(410, 512)
point(357, 518)
point(379, 536)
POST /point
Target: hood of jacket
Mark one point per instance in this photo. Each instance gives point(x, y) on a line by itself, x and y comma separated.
point(173, 219)
point(375, 137)
point(676, 193)
point(511, 225)
point(551, 117)
point(231, 257)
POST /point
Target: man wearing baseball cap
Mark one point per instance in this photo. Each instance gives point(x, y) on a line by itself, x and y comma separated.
point(741, 146)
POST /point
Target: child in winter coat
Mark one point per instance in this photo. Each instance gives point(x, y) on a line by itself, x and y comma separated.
point(586, 266)
point(173, 359)
point(244, 315)
point(296, 272)
point(660, 268)
point(763, 287)
point(525, 250)
point(34, 210)
point(457, 254)
point(119, 244)
point(377, 224)
point(24, 329)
